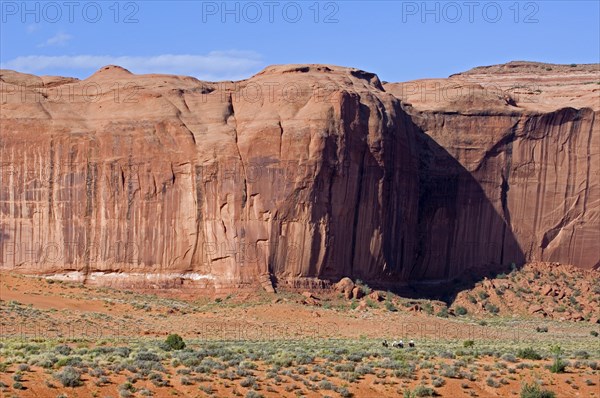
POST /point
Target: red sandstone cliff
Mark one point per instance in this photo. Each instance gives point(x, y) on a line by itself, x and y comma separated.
point(528, 134)
point(298, 172)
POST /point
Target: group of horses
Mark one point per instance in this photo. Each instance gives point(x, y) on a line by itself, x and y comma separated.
point(398, 344)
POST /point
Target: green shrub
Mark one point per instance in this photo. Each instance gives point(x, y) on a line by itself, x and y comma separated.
point(147, 356)
point(468, 343)
point(281, 359)
point(344, 392)
point(492, 308)
point(127, 386)
point(365, 369)
point(492, 382)
point(23, 367)
point(446, 354)
point(390, 306)
point(423, 391)
point(428, 308)
point(344, 367)
point(248, 365)
point(528, 353)
point(509, 358)
point(357, 356)
point(404, 372)
point(534, 391)
point(581, 354)
point(248, 381)
point(175, 342)
point(443, 312)
point(449, 371)
point(461, 310)
point(594, 333)
point(63, 350)
point(558, 366)
point(69, 377)
point(437, 381)
point(157, 380)
point(363, 286)
point(102, 380)
point(186, 381)
point(326, 385)
point(68, 361)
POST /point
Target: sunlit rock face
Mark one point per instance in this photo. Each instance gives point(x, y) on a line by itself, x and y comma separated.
point(299, 174)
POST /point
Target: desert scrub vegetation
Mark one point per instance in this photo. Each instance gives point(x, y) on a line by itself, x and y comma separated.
point(69, 377)
point(528, 353)
point(420, 391)
point(460, 310)
point(491, 308)
point(174, 342)
point(363, 286)
point(535, 391)
point(558, 365)
point(389, 305)
point(257, 365)
point(443, 312)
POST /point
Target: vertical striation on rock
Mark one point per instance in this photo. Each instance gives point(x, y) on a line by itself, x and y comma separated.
point(293, 173)
point(526, 136)
point(300, 173)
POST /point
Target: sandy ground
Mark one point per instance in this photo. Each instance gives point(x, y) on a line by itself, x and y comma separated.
point(35, 309)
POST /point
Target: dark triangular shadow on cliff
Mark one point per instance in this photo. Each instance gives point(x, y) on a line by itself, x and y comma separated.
point(461, 236)
point(438, 235)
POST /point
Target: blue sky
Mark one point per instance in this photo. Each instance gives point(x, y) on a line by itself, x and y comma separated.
point(215, 40)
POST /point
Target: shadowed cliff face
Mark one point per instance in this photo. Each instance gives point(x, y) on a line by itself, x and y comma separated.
point(297, 174)
point(536, 174)
point(535, 158)
point(459, 227)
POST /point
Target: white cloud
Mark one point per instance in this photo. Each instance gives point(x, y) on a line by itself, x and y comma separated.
point(32, 28)
point(216, 65)
point(59, 39)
